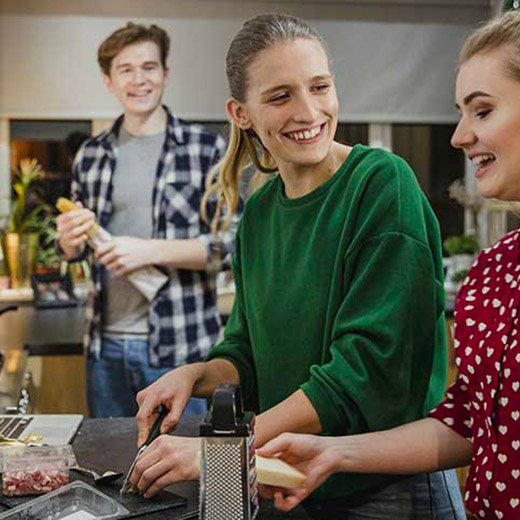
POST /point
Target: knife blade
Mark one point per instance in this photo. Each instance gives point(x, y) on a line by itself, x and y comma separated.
point(154, 433)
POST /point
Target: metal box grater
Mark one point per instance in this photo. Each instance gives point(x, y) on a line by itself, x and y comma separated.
point(228, 484)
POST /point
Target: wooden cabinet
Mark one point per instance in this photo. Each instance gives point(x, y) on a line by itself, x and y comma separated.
point(58, 384)
point(50, 342)
point(462, 473)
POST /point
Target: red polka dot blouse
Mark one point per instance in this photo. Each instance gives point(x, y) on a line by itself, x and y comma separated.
point(483, 405)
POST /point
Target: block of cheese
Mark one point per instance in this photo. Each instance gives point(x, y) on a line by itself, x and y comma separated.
point(275, 472)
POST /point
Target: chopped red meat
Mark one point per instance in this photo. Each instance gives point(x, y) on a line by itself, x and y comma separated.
point(33, 481)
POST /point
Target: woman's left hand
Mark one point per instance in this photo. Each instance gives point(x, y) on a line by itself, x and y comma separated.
point(167, 460)
point(316, 457)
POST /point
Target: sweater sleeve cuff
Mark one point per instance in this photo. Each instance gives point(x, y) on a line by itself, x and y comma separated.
point(246, 385)
point(332, 422)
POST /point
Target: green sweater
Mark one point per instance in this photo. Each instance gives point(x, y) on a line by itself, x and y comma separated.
point(340, 293)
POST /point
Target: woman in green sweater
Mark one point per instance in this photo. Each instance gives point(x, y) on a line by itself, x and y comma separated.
point(338, 323)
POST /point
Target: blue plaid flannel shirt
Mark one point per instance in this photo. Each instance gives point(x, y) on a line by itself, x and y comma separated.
point(183, 318)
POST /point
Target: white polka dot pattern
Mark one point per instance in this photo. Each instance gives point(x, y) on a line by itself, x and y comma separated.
point(483, 405)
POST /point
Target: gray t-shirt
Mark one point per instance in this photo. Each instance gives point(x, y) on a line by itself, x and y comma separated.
point(125, 309)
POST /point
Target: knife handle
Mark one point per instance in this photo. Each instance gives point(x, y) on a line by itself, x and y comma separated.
point(156, 428)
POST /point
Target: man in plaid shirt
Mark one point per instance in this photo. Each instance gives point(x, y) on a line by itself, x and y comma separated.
point(143, 179)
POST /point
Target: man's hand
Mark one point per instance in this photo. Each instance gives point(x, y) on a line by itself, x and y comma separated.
point(72, 230)
point(122, 255)
point(316, 457)
point(166, 461)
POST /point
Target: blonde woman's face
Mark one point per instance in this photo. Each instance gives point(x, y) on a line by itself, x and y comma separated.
point(488, 100)
point(292, 103)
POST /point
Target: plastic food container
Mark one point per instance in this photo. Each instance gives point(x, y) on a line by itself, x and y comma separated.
point(77, 501)
point(35, 470)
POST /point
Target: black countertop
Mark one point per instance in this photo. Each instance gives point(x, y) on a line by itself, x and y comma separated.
point(43, 331)
point(112, 443)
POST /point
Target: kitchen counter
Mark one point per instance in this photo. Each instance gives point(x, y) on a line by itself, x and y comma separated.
point(111, 444)
point(57, 331)
point(24, 298)
point(48, 343)
point(44, 352)
point(43, 331)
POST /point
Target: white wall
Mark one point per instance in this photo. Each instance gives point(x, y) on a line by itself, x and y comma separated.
point(394, 61)
point(48, 65)
point(384, 72)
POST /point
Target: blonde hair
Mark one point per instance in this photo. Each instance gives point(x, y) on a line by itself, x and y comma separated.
point(245, 148)
point(499, 32)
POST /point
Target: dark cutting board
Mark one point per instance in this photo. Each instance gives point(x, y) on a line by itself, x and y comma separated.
point(136, 504)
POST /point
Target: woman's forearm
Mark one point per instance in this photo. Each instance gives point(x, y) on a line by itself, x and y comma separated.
point(294, 414)
point(211, 374)
point(422, 446)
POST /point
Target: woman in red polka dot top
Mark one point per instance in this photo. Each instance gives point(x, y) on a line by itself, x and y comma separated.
point(479, 420)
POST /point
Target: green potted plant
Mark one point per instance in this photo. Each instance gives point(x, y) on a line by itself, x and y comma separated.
point(27, 220)
point(461, 251)
point(461, 245)
point(48, 259)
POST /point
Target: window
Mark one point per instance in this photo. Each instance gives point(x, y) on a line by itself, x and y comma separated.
point(352, 133)
point(54, 144)
point(437, 164)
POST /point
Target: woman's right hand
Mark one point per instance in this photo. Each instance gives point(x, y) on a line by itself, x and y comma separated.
point(168, 459)
point(316, 457)
point(72, 230)
point(173, 390)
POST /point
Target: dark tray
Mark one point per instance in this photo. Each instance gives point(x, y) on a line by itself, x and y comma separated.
point(136, 504)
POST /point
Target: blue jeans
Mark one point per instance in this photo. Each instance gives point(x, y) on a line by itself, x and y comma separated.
point(123, 370)
point(427, 496)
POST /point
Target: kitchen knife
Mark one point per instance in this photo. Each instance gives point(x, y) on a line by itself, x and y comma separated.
point(154, 433)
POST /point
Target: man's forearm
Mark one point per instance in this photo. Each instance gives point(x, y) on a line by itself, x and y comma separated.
point(294, 414)
point(187, 253)
point(69, 253)
point(419, 447)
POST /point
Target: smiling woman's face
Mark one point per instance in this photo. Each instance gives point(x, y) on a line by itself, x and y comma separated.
point(488, 99)
point(291, 102)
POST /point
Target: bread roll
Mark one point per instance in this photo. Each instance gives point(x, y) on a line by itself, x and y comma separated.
point(65, 205)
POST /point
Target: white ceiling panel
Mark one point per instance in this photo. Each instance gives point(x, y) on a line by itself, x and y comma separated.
point(422, 11)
